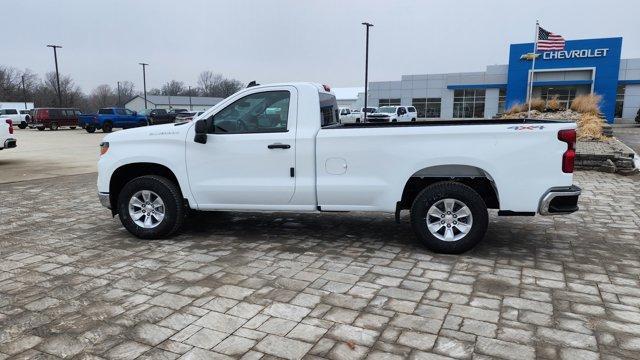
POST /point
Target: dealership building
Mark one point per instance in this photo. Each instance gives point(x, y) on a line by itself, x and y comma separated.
point(583, 67)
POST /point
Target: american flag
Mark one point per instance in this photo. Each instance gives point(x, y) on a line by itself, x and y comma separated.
point(548, 41)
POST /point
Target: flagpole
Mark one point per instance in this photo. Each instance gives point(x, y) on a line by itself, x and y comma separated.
point(533, 67)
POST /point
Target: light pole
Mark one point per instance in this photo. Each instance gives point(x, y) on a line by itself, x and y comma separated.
point(144, 82)
point(24, 93)
point(190, 107)
point(119, 102)
point(55, 57)
point(366, 70)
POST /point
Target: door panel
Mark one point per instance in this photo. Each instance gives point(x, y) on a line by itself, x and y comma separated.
point(242, 169)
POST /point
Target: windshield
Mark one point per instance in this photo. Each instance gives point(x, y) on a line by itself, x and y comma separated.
point(369, 109)
point(387, 110)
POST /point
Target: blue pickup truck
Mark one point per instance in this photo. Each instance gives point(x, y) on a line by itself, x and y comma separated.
point(109, 118)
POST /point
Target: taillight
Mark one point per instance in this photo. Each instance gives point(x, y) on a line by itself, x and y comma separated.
point(10, 126)
point(568, 136)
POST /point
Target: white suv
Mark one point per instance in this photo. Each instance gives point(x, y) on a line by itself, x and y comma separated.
point(393, 114)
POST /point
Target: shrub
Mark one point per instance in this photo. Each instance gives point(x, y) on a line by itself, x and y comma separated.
point(587, 104)
point(590, 127)
point(516, 108)
point(553, 104)
point(536, 104)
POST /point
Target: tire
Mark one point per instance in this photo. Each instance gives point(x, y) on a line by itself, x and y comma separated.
point(107, 127)
point(72, 127)
point(394, 120)
point(53, 126)
point(168, 192)
point(22, 125)
point(434, 196)
point(143, 123)
point(357, 120)
point(413, 120)
point(90, 129)
point(40, 128)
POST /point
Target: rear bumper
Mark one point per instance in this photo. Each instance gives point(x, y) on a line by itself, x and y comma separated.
point(558, 201)
point(10, 143)
point(104, 199)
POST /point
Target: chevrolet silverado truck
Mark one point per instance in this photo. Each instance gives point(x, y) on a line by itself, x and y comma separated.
point(281, 148)
point(7, 139)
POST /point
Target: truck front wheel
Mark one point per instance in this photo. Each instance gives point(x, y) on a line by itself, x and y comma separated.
point(449, 217)
point(151, 207)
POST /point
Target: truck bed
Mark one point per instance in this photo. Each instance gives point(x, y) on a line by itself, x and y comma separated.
point(448, 122)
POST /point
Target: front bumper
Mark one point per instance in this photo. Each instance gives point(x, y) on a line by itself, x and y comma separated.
point(105, 200)
point(10, 143)
point(558, 201)
point(378, 119)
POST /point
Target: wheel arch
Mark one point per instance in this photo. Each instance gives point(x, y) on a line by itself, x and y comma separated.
point(130, 171)
point(475, 177)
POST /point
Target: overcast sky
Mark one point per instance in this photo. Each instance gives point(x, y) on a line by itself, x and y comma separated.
point(273, 41)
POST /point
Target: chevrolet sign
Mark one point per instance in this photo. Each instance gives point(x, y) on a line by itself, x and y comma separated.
point(575, 54)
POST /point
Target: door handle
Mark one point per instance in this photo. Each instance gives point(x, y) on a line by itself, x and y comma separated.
point(279, 146)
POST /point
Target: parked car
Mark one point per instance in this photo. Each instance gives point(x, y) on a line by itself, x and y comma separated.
point(7, 138)
point(178, 111)
point(158, 116)
point(111, 118)
point(393, 114)
point(253, 151)
point(54, 118)
point(348, 116)
point(188, 116)
point(19, 117)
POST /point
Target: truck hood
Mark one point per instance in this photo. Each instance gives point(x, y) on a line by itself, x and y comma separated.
point(155, 132)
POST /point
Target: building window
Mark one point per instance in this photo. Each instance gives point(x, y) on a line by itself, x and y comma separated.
point(502, 100)
point(433, 107)
point(619, 101)
point(468, 103)
point(564, 95)
point(421, 106)
point(389, 102)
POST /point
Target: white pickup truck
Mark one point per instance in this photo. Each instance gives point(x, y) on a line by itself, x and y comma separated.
point(280, 148)
point(7, 138)
point(20, 118)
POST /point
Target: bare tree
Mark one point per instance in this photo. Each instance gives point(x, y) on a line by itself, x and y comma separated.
point(103, 96)
point(173, 88)
point(217, 85)
point(71, 94)
point(127, 91)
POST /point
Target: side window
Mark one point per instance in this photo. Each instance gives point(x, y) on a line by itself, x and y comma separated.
point(128, 112)
point(120, 112)
point(411, 109)
point(11, 112)
point(262, 112)
point(328, 110)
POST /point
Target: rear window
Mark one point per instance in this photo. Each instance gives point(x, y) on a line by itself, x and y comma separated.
point(105, 111)
point(411, 109)
point(328, 110)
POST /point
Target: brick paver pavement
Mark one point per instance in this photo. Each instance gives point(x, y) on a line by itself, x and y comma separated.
point(74, 283)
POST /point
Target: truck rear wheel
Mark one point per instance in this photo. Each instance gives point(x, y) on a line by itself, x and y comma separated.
point(40, 128)
point(107, 127)
point(22, 125)
point(150, 207)
point(53, 126)
point(449, 217)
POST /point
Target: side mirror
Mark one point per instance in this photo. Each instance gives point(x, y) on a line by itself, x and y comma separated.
point(201, 132)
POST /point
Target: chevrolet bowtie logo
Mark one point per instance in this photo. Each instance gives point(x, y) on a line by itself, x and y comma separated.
point(529, 56)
